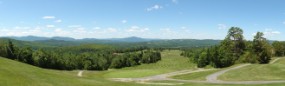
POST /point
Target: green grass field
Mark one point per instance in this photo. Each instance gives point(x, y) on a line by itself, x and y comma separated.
point(195, 76)
point(208, 84)
point(275, 71)
point(171, 61)
point(13, 73)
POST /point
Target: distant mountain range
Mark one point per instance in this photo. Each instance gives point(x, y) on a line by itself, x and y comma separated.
point(49, 42)
point(36, 42)
point(37, 38)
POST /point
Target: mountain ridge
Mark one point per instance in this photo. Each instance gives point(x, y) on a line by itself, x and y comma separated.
point(39, 38)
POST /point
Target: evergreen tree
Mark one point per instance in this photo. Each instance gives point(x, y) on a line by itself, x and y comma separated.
point(10, 49)
point(262, 48)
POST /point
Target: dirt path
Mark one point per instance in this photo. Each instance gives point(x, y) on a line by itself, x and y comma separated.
point(159, 77)
point(274, 60)
point(79, 74)
point(213, 78)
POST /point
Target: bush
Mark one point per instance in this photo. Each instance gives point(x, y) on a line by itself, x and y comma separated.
point(248, 57)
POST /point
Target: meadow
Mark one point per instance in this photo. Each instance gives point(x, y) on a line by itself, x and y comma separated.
point(14, 73)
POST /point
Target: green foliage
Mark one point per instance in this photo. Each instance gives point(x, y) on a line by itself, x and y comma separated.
point(10, 50)
point(202, 61)
point(87, 56)
point(233, 49)
point(248, 57)
point(135, 58)
point(150, 56)
point(262, 48)
point(279, 48)
point(26, 55)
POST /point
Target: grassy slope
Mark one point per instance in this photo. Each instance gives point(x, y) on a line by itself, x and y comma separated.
point(209, 84)
point(273, 71)
point(200, 75)
point(13, 73)
point(171, 61)
point(195, 76)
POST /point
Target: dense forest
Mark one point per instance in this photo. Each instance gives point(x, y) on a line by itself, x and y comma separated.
point(235, 49)
point(87, 56)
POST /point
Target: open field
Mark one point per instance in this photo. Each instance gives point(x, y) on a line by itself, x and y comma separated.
point(195, 76)
point(273, 71)
point(14, 73)
point(171, 61)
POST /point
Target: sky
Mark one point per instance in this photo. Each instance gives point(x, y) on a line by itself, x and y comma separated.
point(165, 19)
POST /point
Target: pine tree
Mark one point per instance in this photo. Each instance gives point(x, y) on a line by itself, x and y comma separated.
point(261, 48)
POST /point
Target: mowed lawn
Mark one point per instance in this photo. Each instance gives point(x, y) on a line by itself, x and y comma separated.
point(196, 76)
point(13, 73)
point(171, 61)
point(275, 71)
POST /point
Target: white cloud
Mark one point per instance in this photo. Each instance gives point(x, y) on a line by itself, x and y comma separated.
point(58, 21)
point(50, 26)
point(155, 7)
point(124, 21)
point(97, 28)
point(166, 30)
point(49, 17)
point(57, 30)
point(23, 31)
point(137, 29)
point(175, 1)
point(80, 30)
point(60, 32)
point(253, 34)
point(74, 26)
point(222, 26)
point(111, 30)
point(183, 27)
point(269, 33)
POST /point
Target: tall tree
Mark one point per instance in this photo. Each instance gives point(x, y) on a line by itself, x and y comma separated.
point(236, 41)
point(262, 48)
point(10, 49)
point(279, 48)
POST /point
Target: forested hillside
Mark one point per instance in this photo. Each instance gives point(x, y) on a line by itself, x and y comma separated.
point(86, 56)
point(235, 49)
point(117, 42)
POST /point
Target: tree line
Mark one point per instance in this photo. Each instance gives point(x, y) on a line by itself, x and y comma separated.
point(87, 57)
point(279, 48)
point(233, 49)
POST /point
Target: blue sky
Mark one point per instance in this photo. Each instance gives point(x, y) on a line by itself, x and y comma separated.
point(166, 19)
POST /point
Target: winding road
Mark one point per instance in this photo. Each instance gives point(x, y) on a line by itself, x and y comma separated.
point(213, 78)
point(160, 77)
point(79, 74)
point(274, 60)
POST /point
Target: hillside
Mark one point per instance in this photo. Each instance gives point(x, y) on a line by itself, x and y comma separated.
point(124, 42)
point(14, 73)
